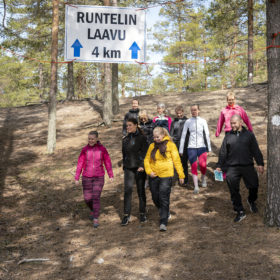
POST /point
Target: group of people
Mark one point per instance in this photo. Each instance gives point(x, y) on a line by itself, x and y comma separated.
point(153, 148)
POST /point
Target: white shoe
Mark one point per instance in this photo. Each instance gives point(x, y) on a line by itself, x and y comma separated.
point(196, 190)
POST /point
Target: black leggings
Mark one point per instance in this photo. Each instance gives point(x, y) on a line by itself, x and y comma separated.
point(161, 189)
point(131, 175)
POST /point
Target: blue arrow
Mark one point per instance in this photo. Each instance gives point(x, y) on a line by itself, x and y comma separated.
point(134, 50)
point(77, 46)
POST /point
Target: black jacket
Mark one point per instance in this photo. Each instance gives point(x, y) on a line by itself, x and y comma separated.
point(148, 128)
point(239, 149)
point(134, 148)
point(131, 114)
point(176, 130)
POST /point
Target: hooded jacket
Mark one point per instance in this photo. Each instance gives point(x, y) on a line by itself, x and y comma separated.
point(91, 162)
point(164, 166)
point(226, 115)
point(134, 148)
point(131, 114)
point(148, 128)
point(239, 148)
point(177, 129)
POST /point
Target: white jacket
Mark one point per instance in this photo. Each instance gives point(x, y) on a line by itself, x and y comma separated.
point(196, 127)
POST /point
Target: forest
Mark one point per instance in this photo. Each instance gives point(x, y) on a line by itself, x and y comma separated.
point(202, 45)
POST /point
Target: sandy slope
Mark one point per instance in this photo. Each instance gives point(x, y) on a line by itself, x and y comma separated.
point(43, 214)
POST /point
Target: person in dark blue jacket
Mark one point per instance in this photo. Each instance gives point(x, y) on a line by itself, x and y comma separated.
point(236, 159)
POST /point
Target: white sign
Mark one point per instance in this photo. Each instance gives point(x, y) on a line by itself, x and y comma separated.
point(105, 34)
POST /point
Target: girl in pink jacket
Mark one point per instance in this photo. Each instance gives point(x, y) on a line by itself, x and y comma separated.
point(230, 110)
point(91, 161)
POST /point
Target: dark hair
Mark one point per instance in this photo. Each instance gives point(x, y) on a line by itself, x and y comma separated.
point(179, 108)
point(93, 132)
point(195, 105)
point(135, 122)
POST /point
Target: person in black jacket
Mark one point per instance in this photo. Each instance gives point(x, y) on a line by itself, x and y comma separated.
point(134, 148)
point(147, 126)
point(236, 156)
point(132, 113)
point(176, 132)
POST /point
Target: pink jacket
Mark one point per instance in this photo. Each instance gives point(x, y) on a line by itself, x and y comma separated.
point(163, 121)
point(226, 115)
point(91, 161)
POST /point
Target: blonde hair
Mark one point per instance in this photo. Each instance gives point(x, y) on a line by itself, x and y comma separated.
point(143, 114)
point(230, 94)
point(161, 131)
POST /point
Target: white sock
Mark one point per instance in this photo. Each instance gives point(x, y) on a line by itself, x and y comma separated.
point(203, 181)
point(195, 181)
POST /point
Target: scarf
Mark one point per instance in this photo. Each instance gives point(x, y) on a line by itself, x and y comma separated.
point(161, 146)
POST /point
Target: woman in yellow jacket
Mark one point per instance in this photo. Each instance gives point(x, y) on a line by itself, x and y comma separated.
point(159, 163)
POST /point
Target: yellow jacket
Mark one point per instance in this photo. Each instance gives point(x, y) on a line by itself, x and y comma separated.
point(164, 166)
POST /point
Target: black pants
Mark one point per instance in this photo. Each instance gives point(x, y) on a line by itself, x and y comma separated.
point(250, 178)
point(160, 189)
point(131, 175)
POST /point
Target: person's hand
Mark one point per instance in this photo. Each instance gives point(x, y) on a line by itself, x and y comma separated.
point(218, 169)
point(181, 155)
point(209, 154)
point(260, 169)
point(111, 180)
point(181, 181)
point(77, 183)
point(140, 169)
point(153, 175)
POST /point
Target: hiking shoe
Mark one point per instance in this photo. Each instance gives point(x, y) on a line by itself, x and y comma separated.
point(239, 217)
point(253, 206)
point(125, 220)
point(196, 190)
point(162, 227)
point(143, 218)
point(95, 223)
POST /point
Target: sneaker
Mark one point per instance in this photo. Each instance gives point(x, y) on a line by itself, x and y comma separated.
point(169, 216)
point(162, 227)
point(196, 190)
point(95, 223)
point(204, 183)
point(253, 206)
point(91, 216)
point(239, 217)
point(143, 218)
point(125, 220)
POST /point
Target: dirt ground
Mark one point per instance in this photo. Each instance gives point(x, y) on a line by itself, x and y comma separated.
point(43, 214)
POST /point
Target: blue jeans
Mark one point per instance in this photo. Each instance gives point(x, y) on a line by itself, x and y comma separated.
point(161, 189)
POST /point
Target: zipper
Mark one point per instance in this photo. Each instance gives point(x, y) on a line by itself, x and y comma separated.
point(196, 132)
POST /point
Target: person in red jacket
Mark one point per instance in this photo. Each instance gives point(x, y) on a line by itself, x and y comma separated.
point(91, 162)
point(230, 110)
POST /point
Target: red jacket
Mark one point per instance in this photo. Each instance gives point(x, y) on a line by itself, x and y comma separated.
point(91, 161)
point(226, 115)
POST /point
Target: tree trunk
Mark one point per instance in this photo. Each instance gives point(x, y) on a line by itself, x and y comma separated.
point(70, 81)
point(115, 79)
point(107, 105)
point(272, 215)
point(250, 41)
point(41, 82)
point(53, 89)
point(107, 100)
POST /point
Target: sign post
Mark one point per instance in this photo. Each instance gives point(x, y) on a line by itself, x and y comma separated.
point(105, 34)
